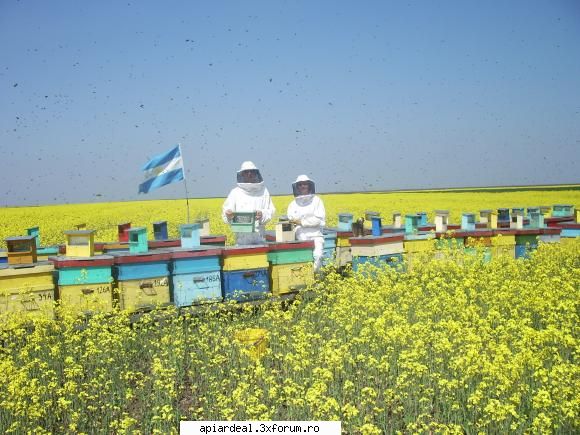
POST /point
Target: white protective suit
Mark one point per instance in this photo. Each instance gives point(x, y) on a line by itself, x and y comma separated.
point(250, 197)
point(309, 210)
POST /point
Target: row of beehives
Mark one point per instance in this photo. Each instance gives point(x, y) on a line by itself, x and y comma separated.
point(137, 281)
point(136, 273)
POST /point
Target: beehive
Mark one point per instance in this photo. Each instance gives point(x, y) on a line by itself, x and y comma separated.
point(21, 250)
point(160, 230)
point(35, 232)
point(411, 223)
point(196, 276)
point(376, 226)
point(242, 258)
point(397, 221)
point(288, 278)
point(373, 246)
point(123, 231)
point(138, 240)
point(245, 274)
point(503, 214)
point(484, 216)
point(85, 285)
point(190, 237)
point(285, 231)
point(204, 227)
point(345, 221)
point(142, 279)
point(243, 222)
point(441, 220)
point(80, 243)
point(517, 221)
point(329, 251)
point(27, 290)
point(562, 210)
point(369, 215)
point(468, 221)
point(536, 219)
point(492, 224)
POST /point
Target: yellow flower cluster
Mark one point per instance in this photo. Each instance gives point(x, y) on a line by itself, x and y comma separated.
point(451, 346)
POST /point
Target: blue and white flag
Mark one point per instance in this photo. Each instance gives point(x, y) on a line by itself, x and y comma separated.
point(162, 169)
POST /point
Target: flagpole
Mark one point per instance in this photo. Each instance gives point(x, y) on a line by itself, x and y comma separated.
point(184, 183)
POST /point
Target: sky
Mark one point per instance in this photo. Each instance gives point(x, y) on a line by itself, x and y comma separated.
point(361, 96)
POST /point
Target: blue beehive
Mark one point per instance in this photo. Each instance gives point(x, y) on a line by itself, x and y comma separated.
point(190, 237)
point(422, 218)
point(138, 240)
point(533, 210)
point(345, 222)
point(244, 285)
point(392, 260)
point(411, 223)
point(468, 222)
point(376, 228)
point(160, 230)
point(503, 214)
point(245, 274)
point(196, 276)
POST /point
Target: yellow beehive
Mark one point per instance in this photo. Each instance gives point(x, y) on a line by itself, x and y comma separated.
point(80, 243)
point(287, 278)
point(87, 298)
point(343, 240)
point(343, 255)
point(503, 240)
point(421, 245)
point(241, 258)
point(28, 290)
point(492, 221)
point(136, 294)
point(504, 250)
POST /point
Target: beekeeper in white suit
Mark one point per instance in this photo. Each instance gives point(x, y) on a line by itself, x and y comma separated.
point(250, 195)
point(307, 212)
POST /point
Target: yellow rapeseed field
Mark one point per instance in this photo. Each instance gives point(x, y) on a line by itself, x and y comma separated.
point(104, 217)
point(455, 345)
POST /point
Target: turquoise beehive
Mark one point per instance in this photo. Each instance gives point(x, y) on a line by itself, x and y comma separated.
point(468, 222)
point(35, 232)
point(536, 219)
point(411, 223)
point(562, 210)
point(345, 222)
point(137, 240)
point(190, 237)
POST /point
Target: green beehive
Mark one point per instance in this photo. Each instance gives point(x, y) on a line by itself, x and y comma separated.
point(243, 222)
